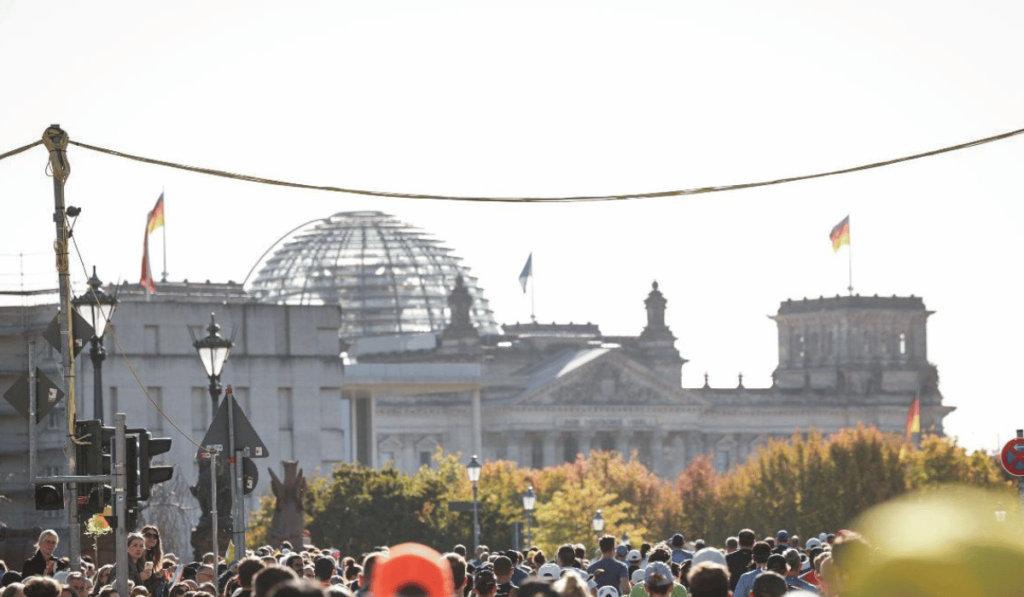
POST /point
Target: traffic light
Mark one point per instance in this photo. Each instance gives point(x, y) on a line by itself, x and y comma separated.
point(150, 475)
point(92, 457)
point(131, 466)
point(50, 497)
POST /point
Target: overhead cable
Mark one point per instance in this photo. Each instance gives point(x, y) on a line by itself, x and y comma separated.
point(677, 193)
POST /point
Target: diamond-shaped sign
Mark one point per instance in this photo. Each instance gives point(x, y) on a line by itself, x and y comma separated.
point(81, 331)
point(48, 394)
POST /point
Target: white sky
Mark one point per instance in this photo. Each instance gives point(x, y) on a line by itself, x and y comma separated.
point(548, 98)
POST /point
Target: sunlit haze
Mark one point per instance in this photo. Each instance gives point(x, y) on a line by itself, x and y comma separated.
point(553, 98)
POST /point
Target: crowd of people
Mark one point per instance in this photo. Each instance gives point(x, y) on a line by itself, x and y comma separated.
point(744, 567)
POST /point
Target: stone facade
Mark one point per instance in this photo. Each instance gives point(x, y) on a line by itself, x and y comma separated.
point(546, 393)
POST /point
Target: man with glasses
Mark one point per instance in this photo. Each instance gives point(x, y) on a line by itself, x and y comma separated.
point(76, 581)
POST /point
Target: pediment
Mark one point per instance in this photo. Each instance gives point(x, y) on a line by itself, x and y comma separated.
point(612, 379)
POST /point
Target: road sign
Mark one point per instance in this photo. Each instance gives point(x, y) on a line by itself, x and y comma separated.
point(246, 437)
point(48, 394)
point(250, 476)
point(1013, 457)
point(81, 332)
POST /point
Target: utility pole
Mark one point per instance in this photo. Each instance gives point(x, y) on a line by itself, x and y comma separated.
point(56, 141)
point(121, 507)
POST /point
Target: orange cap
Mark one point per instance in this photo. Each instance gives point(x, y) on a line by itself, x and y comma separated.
point(412, 564)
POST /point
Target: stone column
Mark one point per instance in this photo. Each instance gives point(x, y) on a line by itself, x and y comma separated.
point(478, 435)
point(622, 443)
point(585, 438)
point(411, 463)
point(656, 439)
point(679, 460)
point(550, 448)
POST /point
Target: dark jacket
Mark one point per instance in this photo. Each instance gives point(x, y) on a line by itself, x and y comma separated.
point(36, 565)
point(738, 562)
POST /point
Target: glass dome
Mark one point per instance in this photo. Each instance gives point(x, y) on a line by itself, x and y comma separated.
point(387, 277)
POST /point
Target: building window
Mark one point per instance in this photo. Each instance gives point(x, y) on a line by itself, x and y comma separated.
point(903, 343)
point(536, 453)
point(569, 449)
point(425, 457)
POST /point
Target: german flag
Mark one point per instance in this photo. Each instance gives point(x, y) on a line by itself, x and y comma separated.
point(156, 216)
point(840, 234)
point(913, 419)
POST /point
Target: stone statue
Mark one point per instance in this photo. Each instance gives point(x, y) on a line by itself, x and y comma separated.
point(201, 540)
point(289, 513)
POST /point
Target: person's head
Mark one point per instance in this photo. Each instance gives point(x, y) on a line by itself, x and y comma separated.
point(10, 577)
point(209, 558)
point(152, 536)
point(136, 546)
point(324, 568)
point(567, 555)
point(485, 583)
point(794, 541)
point(502, 569)
point(732, 544)
point(850, 554)
point(369, 562)
point(761, 552)
point(337, 590)
point(41, 586)
point(746, 539)
point(294, 561)
point(539, 559)
point(108, 591)
point(458, 565)
point(658, 579)
point(76, 580)
point(297, 588)
point(248, 568)
point(205, 574)
point(102, 576)
point(264, 581)
point(15, 589)
point(178, 590)
point(571, 585)
point(777, 564)
point(139, 591)
point(769, 584)
point(659, 554)
point(708, 579)
point(460, 549)
point(792, 560)
point(677, 541)
point(47, 542)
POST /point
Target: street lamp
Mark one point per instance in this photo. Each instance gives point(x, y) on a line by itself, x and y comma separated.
point(529, 502)
point(97, 307)
point(213, 352)
point(598, 523)
point(473, 471)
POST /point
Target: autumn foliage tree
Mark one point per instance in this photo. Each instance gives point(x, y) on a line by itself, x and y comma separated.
point(805, 485)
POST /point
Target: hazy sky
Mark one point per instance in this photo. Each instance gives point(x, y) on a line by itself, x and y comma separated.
point(549, 98)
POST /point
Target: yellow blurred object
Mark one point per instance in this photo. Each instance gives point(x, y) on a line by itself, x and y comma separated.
point(229, 554)
point(954, 541)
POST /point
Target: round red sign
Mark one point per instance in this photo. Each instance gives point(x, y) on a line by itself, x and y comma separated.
point(1013, 457)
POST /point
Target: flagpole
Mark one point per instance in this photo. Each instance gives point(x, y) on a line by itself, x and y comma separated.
point(849, 252)
point(533, 292)
point(163, 274)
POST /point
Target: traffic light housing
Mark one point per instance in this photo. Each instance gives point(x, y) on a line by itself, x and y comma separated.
point(93, 457)
point(49, 496)
point(149, 474)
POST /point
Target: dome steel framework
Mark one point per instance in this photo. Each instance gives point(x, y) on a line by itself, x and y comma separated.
point(387, 276)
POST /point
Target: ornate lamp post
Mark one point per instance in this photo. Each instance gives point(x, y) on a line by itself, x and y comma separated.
point(213, 352)
point(598, 523)
point(97, 307)
point(473, 471)
point(529, 502)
